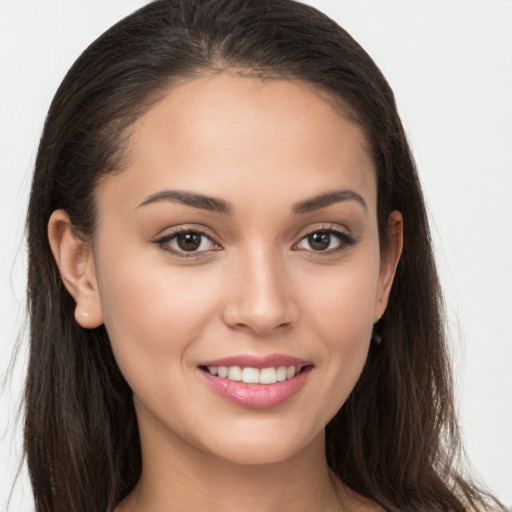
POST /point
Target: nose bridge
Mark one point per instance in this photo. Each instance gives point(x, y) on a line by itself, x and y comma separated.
point(261, 299)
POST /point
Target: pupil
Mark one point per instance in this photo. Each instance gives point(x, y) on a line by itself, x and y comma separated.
point(189, 241)
point(319, 241)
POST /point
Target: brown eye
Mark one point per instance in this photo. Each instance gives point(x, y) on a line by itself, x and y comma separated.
point(319, 241)
point(189, 241)
point(325, 241)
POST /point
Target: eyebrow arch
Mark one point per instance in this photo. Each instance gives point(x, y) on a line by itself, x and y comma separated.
point(327, 199)
point(190, 199)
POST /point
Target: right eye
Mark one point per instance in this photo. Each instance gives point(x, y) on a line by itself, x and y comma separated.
point(187, 243)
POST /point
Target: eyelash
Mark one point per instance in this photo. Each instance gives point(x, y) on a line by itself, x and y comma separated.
point(164, 241)
point(344, 238)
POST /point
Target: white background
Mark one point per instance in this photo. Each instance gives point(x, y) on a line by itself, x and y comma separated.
point(450, 65)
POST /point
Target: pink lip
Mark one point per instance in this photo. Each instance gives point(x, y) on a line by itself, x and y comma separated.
point(257, 396)
point(254, 361)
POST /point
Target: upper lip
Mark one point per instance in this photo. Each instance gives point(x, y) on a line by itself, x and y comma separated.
point(256, 361)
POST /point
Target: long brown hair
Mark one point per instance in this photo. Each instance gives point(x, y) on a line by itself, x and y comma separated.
point(395, 440)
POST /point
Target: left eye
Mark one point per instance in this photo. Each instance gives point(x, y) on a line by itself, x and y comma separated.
point(189, 241)
point(323, 240)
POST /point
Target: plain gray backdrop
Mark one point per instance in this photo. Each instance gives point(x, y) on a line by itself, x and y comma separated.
point(450, 65)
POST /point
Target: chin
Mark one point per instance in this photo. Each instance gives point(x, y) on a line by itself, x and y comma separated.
point(265, 446)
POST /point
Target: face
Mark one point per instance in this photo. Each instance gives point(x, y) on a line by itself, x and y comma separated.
point(240, 243)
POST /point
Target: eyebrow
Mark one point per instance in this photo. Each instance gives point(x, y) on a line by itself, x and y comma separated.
point(190, 199)
point(327, 199)
point(214, 204)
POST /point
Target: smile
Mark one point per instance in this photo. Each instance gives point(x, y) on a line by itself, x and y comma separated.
point(270, 375)
point(256, 382)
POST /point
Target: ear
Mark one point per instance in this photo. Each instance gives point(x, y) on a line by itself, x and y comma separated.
point(389, 262)
point(75, 260)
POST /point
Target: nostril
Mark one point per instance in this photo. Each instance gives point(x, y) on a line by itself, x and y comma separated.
point(256, 320)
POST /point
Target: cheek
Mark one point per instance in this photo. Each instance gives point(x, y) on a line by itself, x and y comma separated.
point(341, 307)
point(342, 300)
point(151, 314)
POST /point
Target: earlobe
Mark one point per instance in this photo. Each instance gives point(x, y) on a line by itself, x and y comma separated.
point(75, 260)
point(389, 262)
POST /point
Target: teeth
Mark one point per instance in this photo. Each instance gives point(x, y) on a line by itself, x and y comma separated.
point(268, 376)
point(254, 375)
point(281, 374)
point(250, 375)
point(235, 373)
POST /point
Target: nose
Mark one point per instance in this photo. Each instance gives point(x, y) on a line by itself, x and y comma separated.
point(260, 299)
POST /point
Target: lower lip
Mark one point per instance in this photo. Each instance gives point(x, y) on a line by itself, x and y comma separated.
point(257, 396)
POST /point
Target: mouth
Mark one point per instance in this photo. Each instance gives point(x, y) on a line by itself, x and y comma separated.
point(256, 382)
point(249, 375)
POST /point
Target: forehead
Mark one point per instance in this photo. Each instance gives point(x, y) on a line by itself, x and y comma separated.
point(230, 135)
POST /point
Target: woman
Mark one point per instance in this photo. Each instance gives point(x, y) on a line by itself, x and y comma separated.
point(247, 301)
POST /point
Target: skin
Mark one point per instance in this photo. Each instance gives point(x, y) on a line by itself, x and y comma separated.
point(256, 286)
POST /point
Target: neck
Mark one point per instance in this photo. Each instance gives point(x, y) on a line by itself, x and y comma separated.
point(180, 478)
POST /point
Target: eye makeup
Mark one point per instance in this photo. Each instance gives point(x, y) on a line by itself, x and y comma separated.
point(325, 241)
point(193, 242)
point(187, 242)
